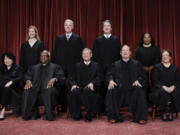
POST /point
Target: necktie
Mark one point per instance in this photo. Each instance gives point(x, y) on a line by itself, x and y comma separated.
point(107, 37)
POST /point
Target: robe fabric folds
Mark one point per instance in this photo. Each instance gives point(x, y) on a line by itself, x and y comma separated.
point(40, 75)
point(124, 75)
point(82, 75)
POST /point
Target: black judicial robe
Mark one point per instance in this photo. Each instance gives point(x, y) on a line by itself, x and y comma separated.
point(148, 56)
point(82, 75)
point(167, 76)
point(67, 53)
point(39, 76)
point(106, 51)
point(125, 74)
point(14, 74)
point(30, 56)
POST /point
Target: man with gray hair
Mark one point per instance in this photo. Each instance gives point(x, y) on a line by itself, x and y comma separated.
point(84, 84)
point(67, 52)
point(41, 80)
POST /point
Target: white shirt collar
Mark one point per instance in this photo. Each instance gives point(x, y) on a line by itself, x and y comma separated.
point(107, 35)
point(87, 62)
point(68, 34)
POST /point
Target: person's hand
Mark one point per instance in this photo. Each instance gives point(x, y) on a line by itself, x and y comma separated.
point(172, 88)
point(74, 87)
point(167, 89)
point(51, 83)
point(91, 86)
point(111, 85)
point(136, 83)
point(8, 84)
point(28, 85)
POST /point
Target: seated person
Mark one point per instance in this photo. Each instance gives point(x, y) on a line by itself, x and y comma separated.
point(10, 76)
point(126, 82)
point(165, 93)
point(40, 82)
point(84, 83)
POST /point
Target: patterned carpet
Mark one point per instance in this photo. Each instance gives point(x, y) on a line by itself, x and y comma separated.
point(63, 126)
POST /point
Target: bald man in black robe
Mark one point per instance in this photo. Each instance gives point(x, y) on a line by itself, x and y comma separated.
point(41, 80)
point(126, 87)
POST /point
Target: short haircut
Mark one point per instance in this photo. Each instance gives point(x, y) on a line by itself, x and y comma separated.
point(69, 20)
point(124, 46)
point(107, 21)
point(87, 49)
point(168, 51)
point(48, 52)
point(9, 55)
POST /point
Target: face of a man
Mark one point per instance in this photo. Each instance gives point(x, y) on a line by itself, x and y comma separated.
point(68, 27)
point(86, 55)
point(125, 52)
point(44, 58)
point(31, 33)
point(107, 28)
point(147, 39)
point(165, 57)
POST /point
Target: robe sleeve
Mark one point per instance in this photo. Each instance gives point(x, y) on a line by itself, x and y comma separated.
point(99, 76)
point(18, 75)
point(142, 76)
point(137, 55)
point(95, 51)
point(156, 78)
point(55, 51)
point(59, 75)
point(72, 77)
point(22, 56)
point(110, 74)
point(157, 56)
point(29, 74)
point(177, 78)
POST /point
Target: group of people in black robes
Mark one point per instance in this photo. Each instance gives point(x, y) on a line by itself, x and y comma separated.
point(104, 79)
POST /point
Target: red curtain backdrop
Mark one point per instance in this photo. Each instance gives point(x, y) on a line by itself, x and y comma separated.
point(130, 18)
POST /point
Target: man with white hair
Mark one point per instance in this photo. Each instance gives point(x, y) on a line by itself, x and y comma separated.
point(67, 52)
point(41, 80)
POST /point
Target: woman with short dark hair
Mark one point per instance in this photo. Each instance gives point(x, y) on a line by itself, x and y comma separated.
point(10, 75)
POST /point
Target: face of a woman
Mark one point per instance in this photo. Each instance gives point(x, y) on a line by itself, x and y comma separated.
point(32, 33)
point(165, 57)
point(7, 61)
point(147, 38)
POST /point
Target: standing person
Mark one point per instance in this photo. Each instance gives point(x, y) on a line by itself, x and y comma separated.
point(67, 52)
point(10, 76)
point(30, 54)
point(166, 87)
point(31, 49)
point(148, 54)
point(106, 51)
point(126, 83)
